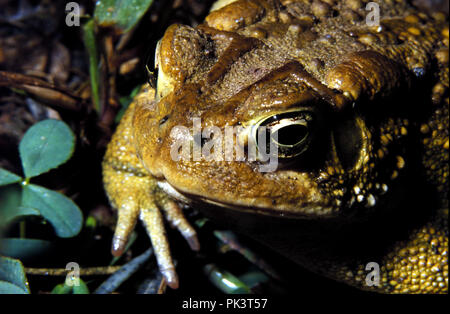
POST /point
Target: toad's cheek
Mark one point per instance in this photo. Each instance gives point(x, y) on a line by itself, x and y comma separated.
point(287, 193)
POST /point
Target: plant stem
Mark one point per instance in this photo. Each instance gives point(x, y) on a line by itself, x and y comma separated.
point(87, 271)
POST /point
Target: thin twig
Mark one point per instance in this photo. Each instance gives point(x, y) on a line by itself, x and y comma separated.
point(54, 96)
point(86, 271)
point(115, 280)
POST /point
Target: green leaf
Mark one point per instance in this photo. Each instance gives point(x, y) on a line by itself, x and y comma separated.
point(12, 272)
point(61, 211)
point(91, 222)
point(81, 289)
point(121, 14)
point(62, 289)
point(253, 278)
point(91, 48)
point(9, 288)
point(45, 146)
point(21, 212)
point(23, 248)
point(225, 281)
point(10, 209)
point(7, 177)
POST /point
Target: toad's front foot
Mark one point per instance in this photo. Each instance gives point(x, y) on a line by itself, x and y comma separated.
point(148, 206)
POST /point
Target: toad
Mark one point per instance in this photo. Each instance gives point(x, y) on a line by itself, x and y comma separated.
point(352, 98)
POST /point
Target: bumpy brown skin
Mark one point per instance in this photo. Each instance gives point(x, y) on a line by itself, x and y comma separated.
point(380, 95)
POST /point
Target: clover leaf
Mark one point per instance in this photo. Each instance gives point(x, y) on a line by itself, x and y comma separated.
point(123, 15)
point(7, 177)
point(12, 277)
point(45, 146)
point(59, 210)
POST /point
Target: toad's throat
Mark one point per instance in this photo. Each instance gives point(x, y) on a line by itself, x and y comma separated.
point(305, 212)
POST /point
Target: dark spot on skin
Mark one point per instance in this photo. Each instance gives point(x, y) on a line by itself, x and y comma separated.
point(163, 120)
point(257, 71)
point(435, 250)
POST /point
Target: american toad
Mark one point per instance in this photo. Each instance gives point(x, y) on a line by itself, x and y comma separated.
point(360, 114)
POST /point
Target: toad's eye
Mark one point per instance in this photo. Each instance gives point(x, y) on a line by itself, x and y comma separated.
point(290, 133)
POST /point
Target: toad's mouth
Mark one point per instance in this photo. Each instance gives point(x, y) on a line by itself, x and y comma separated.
point(299, 212)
